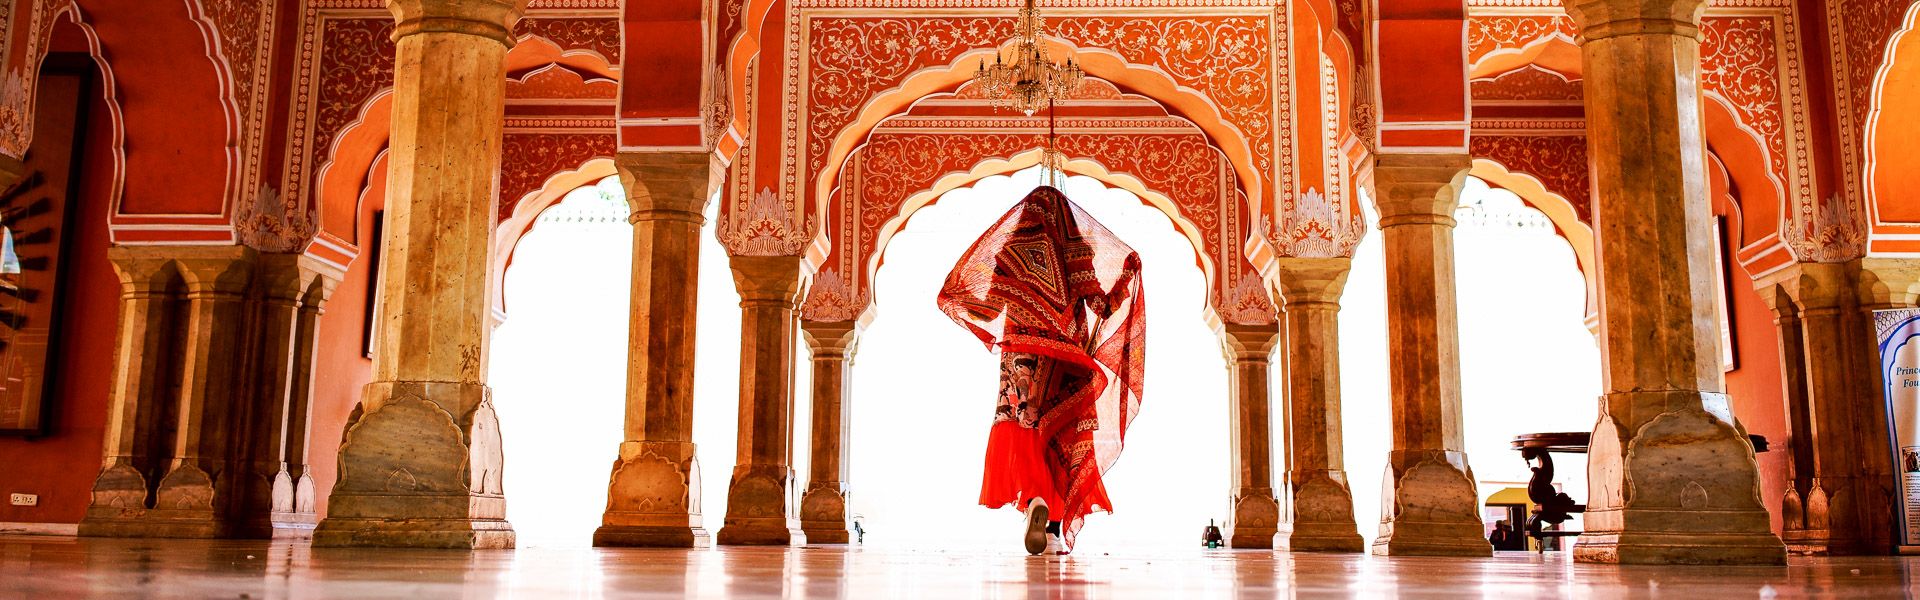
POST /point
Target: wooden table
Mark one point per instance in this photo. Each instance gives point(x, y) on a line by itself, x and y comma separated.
point(1551, 505)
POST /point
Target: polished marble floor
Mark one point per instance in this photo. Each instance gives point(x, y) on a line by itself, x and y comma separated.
point(53, 567)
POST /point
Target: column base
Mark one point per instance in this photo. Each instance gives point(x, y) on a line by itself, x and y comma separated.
point(1663, 548)
point(1695, 492)
point(457, 534)
point(653, 498)
point(1320, 537)
point(419, 468)
point(152, 523)
point(823, 514)
point(1322, 514)
point(1255, 520)
point(1431, 506)
point(758, 508)
point(628, 536)
point(183, 506)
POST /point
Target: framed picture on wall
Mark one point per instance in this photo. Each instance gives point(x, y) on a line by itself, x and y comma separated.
point(1723, 295)
point(376, 246)
point(36, 218)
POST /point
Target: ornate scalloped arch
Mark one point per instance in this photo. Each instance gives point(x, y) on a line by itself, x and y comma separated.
point(1150, 81)
point(1075, 166)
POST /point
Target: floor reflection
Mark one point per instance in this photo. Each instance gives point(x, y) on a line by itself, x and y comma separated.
point(67, 567)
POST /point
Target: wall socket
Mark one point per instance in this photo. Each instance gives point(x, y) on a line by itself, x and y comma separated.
point(26, 499)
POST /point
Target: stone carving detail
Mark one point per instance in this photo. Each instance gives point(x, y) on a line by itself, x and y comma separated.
point(269, 224)
point(1248, 303)
point(1316, 227)
point(1558, 161)
point(830, 299)
point(528, 159)
point(1837, 232)
point(768, 227)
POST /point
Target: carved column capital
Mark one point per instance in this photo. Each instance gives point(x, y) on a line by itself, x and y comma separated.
point(767, 278)
point(492, 19)
point(1889, 282)
point(1250, 342)
point(668, 185)
point(1607, 18)
point(830, 338)
point(1418, 188)
point(1320, 281)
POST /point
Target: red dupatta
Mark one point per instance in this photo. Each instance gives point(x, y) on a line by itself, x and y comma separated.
point(1050, 280)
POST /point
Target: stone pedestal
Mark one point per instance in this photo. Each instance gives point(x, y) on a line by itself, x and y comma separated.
point(760, 498)
point(653, 496)
point(1322, 519)
point(171, 469)
point(1671, 473)
point(1429, 503)
point(823, 508)
point(420, 461)
point(1256, 516)
point(1842, 500)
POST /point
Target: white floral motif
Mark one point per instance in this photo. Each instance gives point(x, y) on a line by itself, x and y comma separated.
point(1248, 303)
point(766, 228)
point(830, 298)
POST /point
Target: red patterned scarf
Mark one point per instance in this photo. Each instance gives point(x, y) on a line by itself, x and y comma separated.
point(1048, 279)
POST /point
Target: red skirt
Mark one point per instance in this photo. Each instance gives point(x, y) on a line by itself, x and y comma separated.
point(1017, 470)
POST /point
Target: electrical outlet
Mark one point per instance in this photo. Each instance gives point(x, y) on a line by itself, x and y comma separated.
point(26, 499)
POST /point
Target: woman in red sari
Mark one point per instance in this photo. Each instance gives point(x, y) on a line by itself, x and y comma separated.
point(1059, 298)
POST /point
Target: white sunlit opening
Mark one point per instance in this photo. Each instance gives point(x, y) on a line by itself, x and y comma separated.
point(923, 389)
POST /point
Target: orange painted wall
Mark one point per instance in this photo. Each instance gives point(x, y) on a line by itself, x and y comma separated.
point(341, 367)
point(60, 467)
point(1755, 384)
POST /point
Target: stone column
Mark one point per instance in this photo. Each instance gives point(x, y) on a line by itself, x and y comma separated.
point(134, 455)
point(1316, 467)
point(1256, 512)
point(760, 507)
point(1801, 494)
point(420, 462)
point(1429, 503)
point(1665, 425)
point(653, 496)
point(1843, 500)
point(823, 509)
point(292, 290)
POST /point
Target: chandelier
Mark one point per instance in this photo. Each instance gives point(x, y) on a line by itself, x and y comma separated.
point(1030, 80)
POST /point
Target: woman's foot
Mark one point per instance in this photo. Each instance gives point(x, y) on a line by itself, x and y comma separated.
point(1055, 545)
point(1037, 538)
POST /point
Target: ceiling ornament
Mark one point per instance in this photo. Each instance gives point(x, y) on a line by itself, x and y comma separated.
point(1031, 80)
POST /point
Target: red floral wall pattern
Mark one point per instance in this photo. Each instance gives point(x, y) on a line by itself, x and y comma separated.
point(898, 165)
point(1487, 34)
point(1559, 161)
point(598, 35)
point(528, 159)
point(850, 60)
point(1739, 64)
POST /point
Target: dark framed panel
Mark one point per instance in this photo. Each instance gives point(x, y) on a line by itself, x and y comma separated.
point(36, 217)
